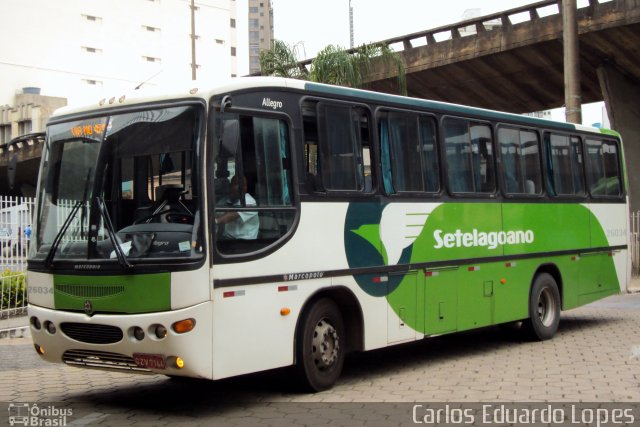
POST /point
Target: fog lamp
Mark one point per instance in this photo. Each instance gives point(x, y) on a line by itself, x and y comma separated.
point(179, 362)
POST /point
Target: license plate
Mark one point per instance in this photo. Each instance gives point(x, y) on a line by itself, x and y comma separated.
point(149, 361)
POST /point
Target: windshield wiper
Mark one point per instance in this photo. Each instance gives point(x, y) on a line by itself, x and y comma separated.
point(122, 259)
point(48, 261)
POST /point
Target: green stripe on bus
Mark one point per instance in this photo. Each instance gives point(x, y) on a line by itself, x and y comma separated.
point(137, 293)
point(610, 132)
point(473, 295)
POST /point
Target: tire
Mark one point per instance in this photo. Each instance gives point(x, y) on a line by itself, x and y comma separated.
point(544, 309)
point(320, 347)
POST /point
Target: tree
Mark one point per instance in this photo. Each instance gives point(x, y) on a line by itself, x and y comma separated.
point(281, 61)
point(334, 65)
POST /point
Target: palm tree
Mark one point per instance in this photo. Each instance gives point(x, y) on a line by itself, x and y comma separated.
point(338, 66)
point(282, 61)
point(334, 64)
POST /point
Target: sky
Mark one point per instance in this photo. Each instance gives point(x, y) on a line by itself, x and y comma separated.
point(314, 24)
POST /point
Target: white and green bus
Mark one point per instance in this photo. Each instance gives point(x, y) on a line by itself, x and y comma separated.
point(271, 222)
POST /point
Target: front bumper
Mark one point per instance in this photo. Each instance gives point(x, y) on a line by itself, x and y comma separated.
point(108, 342)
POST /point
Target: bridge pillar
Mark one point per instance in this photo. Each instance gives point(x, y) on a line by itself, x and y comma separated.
point(622, 98)
point(572, 95)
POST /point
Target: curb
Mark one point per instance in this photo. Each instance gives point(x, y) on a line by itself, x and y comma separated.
point(18, 332)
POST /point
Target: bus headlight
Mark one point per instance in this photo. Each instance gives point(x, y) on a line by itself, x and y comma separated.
point(138, 333)
point(35, 322)
point(50, 327)
point(160, 331)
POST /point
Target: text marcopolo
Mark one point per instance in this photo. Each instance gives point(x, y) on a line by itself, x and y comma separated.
point(475, 238)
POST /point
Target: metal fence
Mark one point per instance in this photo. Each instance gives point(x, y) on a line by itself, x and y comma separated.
point(15, 233)
point(634, 243)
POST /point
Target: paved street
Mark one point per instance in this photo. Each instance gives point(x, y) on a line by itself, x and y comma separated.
point(595, 357)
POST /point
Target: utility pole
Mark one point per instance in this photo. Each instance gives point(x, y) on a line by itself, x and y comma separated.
point(572, 95)
point(193, 40)
point(350, 25)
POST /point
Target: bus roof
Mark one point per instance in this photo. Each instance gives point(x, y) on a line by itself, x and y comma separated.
point(196, 90)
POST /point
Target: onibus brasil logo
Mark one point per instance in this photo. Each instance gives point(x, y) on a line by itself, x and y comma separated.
point(33, 415)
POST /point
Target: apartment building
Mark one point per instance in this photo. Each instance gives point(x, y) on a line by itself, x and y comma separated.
point(260, 31)
point(84, 49)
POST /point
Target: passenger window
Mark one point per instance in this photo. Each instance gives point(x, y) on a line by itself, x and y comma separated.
point(336, 147)
point(565, 165)
point(520, 156)
point(409, 157)
point(603, 170)
point(469, 154)
point(253, 185)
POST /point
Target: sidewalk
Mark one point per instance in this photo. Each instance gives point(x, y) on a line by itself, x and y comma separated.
point(634, 285)
point(14, 327)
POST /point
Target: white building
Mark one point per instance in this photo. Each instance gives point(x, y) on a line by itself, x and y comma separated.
point(85, 50)
point(260, 31)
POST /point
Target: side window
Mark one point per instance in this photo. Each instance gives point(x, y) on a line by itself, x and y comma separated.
point(520, 156)
point(469, 154)
point(336, 149)
point(253, 184)
point(565, 165)
point(409, 156)
point(603, 170)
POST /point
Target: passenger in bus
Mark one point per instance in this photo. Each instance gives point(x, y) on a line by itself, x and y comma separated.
point(241, 224)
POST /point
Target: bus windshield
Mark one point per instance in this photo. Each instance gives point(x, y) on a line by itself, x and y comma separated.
point(121, 188)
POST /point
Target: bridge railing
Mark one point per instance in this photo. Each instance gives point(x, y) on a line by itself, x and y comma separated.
point(482, 24)
point(476, 26)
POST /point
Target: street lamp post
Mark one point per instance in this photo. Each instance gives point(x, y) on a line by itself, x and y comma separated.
point(193, 40)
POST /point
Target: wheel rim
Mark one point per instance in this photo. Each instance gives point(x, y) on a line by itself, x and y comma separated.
point(325, 345)
point(546, 307)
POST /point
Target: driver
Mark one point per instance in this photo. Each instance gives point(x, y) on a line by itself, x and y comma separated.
point(243, 224)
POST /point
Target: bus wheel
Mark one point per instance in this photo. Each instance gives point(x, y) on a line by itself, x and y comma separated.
point(544, 308)
point(321, 346)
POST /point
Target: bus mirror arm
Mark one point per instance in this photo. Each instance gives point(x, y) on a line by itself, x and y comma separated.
point(225, 103)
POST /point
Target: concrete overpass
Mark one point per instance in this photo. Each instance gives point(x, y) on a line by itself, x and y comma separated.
point(518, 65)
point(20, 158)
